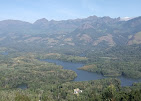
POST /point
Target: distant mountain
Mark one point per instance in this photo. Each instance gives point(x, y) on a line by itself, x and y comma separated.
point(91, 32)
point(14, 27)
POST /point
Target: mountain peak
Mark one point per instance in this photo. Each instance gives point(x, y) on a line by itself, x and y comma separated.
point(43, 21)
point(92, 17)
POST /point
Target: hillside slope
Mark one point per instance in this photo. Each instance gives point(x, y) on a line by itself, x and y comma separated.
point(91, 33)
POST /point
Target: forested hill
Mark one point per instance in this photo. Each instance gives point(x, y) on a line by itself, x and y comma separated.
point(108, 46)
point(92, 33)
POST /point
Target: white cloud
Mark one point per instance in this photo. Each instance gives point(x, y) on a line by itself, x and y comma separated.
point(126, 18)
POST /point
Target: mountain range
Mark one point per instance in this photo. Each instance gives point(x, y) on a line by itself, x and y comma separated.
point(92, 32)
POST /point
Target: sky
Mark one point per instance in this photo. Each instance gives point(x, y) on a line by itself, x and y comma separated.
point(31, 10)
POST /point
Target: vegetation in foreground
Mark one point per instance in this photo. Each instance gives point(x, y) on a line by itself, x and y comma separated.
point(50, 82)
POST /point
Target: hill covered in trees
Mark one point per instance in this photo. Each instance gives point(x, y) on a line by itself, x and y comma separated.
point(109, 46)
point(49, 82)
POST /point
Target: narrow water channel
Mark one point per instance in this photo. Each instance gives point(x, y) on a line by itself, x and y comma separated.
point(86, 76)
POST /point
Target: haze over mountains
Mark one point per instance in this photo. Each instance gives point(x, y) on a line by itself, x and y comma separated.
point(91, 32)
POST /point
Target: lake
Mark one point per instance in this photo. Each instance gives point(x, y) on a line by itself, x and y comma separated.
point(4, 53)
point(22, 86)
point(86, 76)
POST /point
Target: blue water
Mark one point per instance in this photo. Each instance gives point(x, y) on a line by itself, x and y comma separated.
point(86, 76)
point(4, 53)
point(22, 86)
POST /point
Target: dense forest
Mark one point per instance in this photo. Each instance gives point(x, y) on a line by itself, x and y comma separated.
point(115, 61)
point(49, 82)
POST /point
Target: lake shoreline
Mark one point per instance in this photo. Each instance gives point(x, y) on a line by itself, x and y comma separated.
point(86, 75)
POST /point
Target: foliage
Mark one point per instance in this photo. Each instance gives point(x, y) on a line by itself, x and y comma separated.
point(62, 57)
point(32, 72)
point(116, 61)
point(49, 82)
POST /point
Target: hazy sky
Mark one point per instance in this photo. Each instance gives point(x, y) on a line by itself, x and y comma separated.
point(31, 10)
